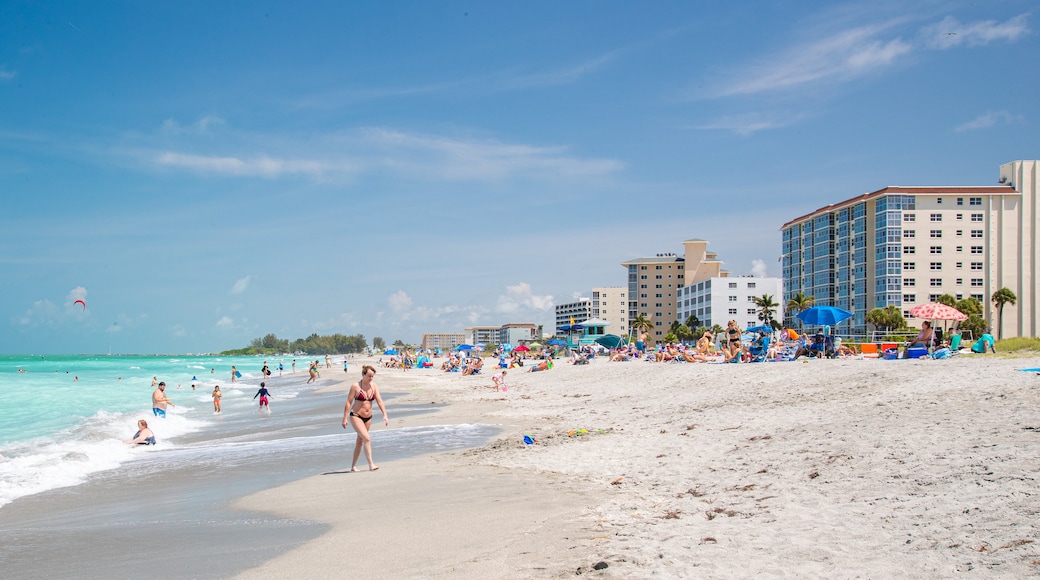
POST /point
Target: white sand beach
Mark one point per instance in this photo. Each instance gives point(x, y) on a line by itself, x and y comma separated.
point(846, 468)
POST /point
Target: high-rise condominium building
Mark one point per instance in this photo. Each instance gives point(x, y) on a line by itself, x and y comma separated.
point(908, 245)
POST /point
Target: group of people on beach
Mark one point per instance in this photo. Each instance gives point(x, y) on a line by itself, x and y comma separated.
point(357, 412)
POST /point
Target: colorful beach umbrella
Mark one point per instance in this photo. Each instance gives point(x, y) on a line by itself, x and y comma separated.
point(611, 340)
point(522, 348)
point(937, 311)
point(823, 315)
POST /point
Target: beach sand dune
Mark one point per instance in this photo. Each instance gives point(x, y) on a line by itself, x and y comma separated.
point(848, 468)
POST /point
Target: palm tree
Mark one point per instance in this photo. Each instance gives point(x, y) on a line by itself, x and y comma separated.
point(1000, 298)
point(642, 323)
point(800, 302)
point(766, 309)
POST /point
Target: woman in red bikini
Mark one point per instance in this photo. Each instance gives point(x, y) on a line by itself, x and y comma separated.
point(358, 413)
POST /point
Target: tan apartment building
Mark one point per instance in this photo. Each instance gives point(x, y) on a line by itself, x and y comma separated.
point(611, 304)
point(908, 245)
point(442, 340)
point(653, 283)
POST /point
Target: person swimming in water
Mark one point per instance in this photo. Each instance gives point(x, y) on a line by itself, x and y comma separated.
point(358, 412)
point(144, 435)
point(263, 393)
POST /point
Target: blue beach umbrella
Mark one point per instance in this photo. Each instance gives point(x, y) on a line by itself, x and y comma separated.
point(390, 351)
point(760, 328)
point(611, 340)
point(556, 342)
point(506, 346)
point(464, 347)
point(823, 315)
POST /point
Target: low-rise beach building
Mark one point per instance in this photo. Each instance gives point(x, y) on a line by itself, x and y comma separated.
point(574, 312)
point(903, 246)
point(442, 340)
point(719, 300)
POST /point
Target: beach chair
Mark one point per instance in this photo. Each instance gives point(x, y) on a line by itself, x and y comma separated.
point(759, 349)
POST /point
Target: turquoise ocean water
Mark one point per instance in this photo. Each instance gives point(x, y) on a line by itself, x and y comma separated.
point(65, 417)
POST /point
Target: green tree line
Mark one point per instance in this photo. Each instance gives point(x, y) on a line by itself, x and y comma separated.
point(313, 344)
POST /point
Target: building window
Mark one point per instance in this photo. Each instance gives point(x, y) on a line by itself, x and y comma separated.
point(658, 277)
point(909, 233)
point(909, 298)
point(732, 284)
point(979, 297)
point(960, 249)
point(960, 216)
point(643, 277)
point(642, 286)
point(909, 250)
point(936, 265)
point(909, 282)
point(909, 217)
point(935, 250)
point(976, 233)
point(976, 282)
point(960, 201)
point(976, 249)
point(642, 267)
point(909, 266)
point(935, 282)
point(732, 298)
point(935, 233)
point(935, 217)
point(752, 311)
point(938, 200)
point(976, 217)
point(976, 265)
point(658, 268)
point(732, 310)
point(959, 281)
point(658, 296)
point(959, 265)
point(750, 298)
point(960, 233)
point(974, 201)
point(751, 285)
point(658, 286)
point(960, 296)
point(933, 297)
point(658, 305)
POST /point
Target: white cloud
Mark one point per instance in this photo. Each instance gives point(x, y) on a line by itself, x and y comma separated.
point(225, 322)
point(842, 56)
point(519, 298)
point(77, 293)
point(750, 123)
point(950, 32)
point(41, 312)
point(241, 285)
point(200, 127)
point(758, 268)
point(255, 166)
point(399, 301)
point(989, 120)
point(6, 75)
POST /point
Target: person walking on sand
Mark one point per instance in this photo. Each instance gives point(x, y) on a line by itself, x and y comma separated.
point(358, 413)
point(263, 393)
point(217, 395)
point(159, 401)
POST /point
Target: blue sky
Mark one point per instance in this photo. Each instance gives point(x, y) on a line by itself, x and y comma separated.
point(205, 173)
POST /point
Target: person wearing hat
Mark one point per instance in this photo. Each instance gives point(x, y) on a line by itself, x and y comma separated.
point(159, 401)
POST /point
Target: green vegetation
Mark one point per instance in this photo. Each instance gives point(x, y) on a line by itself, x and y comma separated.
point(1000, 298)
point(889, 318)
point(313, 344)
point(1018, 344)
point(767, 310)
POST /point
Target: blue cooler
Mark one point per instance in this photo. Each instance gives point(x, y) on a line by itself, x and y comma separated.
point(891, 354)
point(916, 352)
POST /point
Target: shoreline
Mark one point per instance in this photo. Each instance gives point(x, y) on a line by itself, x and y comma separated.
point(848, 467)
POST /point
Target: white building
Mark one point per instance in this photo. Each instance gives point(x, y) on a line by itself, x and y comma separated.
point(719, 300)
point(572, 313)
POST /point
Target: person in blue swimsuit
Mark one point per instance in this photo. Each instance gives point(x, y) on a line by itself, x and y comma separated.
point(159, 401)
point(144, 435)
point(358, 413)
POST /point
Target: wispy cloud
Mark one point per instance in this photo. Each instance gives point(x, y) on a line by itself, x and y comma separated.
point(241, 285)
point(988, 120)
point(225, 322)
point(399, 301)
point(347, 155)
point(252, 166)
point(855, 52)
point(842, 56)
point(750, 123)
point(6, 75)
point(950, 32)
point(199, 127)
